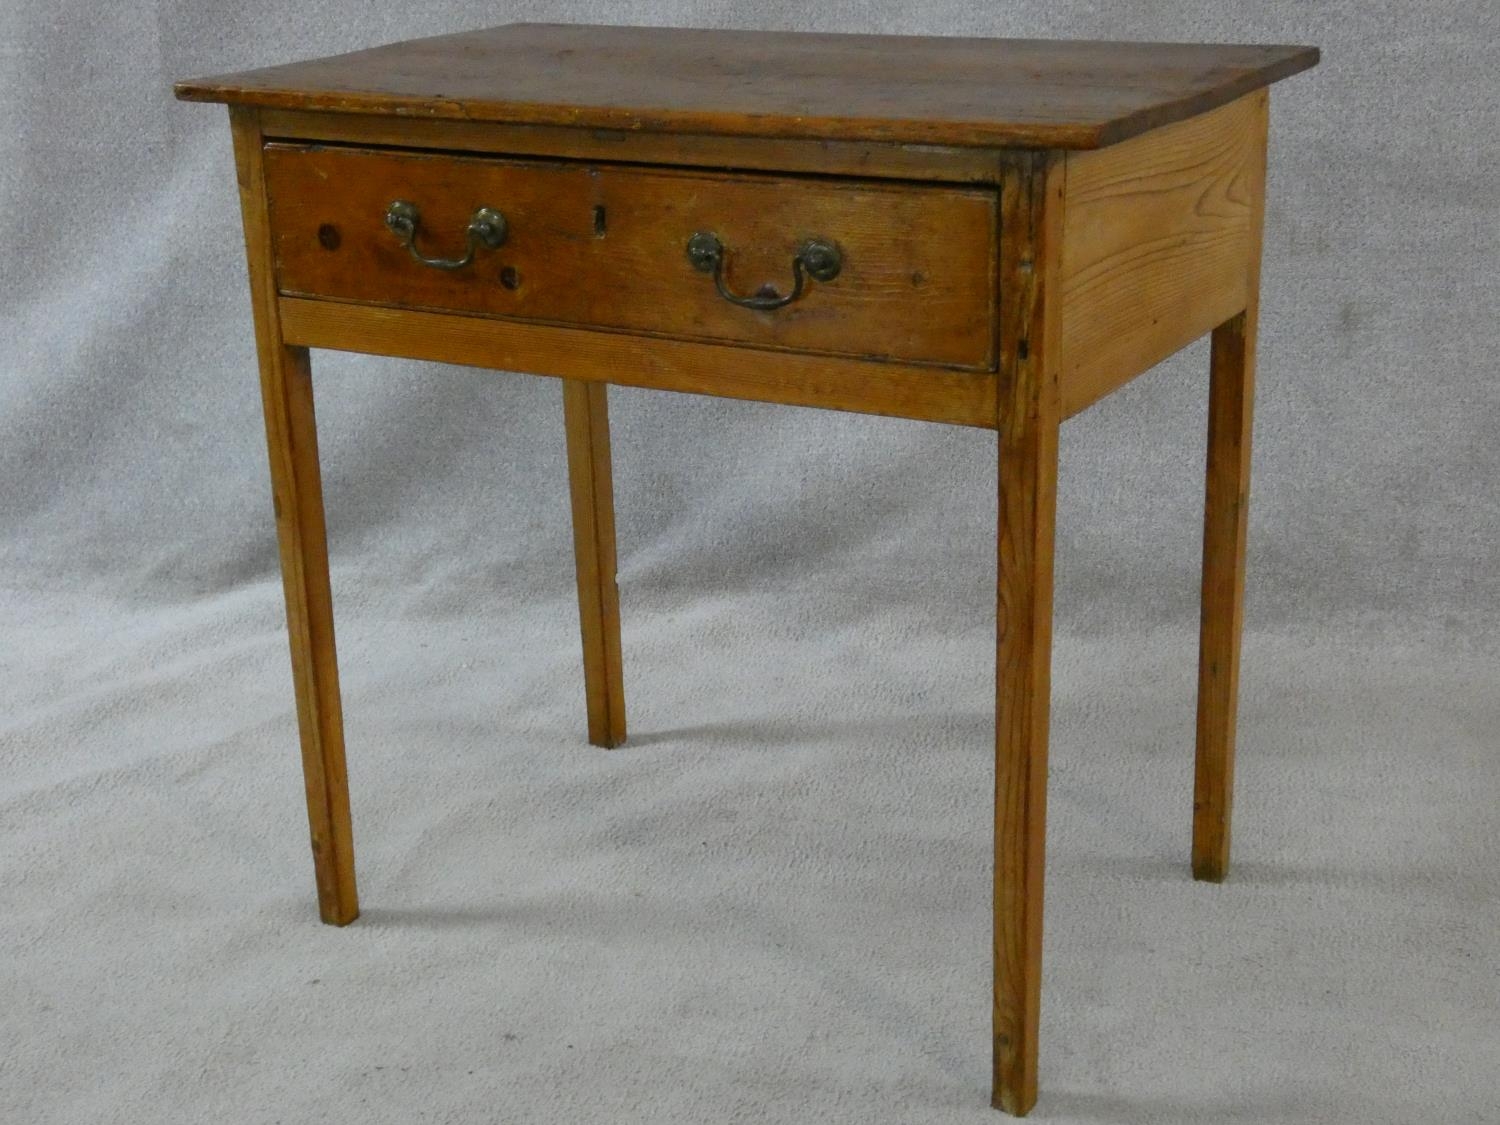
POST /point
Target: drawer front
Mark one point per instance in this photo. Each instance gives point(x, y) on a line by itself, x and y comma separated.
point(880, 270)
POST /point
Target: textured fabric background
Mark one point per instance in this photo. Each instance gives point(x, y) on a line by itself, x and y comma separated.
point(773, 905)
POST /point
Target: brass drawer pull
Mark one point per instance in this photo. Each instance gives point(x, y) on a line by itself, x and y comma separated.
point(816, 258)
point(487, 228)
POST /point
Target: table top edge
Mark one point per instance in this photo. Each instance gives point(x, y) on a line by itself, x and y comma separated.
point(259, 88)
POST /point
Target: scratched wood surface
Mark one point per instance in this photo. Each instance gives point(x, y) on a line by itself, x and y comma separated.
point(606, 245)
point(961, 91)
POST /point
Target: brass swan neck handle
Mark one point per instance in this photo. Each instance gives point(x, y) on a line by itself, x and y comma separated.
point(816, 258)
point(487, 228)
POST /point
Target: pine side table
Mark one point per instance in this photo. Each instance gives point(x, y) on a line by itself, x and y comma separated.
point(992, 233)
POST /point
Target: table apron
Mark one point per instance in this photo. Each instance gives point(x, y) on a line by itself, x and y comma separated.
point(924, 393)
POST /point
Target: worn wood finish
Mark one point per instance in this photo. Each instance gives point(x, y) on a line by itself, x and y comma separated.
point(586, 419)
point(605, 246)
point(999, 276)
point(941, 91)
point(898, 390)
point(1231, 398)
point(297, 491)
point(863, 159)
point(1028, 419)
point(1157, 234)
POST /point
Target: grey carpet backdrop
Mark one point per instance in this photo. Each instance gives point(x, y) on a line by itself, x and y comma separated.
point(773, 905)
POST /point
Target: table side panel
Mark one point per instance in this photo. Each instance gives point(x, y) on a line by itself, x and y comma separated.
point(1159, 234)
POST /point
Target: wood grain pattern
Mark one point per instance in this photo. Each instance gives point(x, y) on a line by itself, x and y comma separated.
point(974, 239)
point(1231, 398)
point(586, 420)
point(864, 159)
point(941, 91)
point(1028, 420)
point(902, 391)
point(606, 245)
point(297, 491)
point(1157, 233)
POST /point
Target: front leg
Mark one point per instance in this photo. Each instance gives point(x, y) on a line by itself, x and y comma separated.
point(297, 492)
point(291, 434)
point(1028, 423)
point(1028, 481)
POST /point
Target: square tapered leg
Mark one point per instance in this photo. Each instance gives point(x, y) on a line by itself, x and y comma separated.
point(297, 494)
point(586, 418)
point(1027, 425)
point(1231, 395)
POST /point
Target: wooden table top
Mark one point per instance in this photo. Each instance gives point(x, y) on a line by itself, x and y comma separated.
point(944, 91)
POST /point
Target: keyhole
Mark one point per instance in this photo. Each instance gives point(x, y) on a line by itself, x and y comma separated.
point(510, 278)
